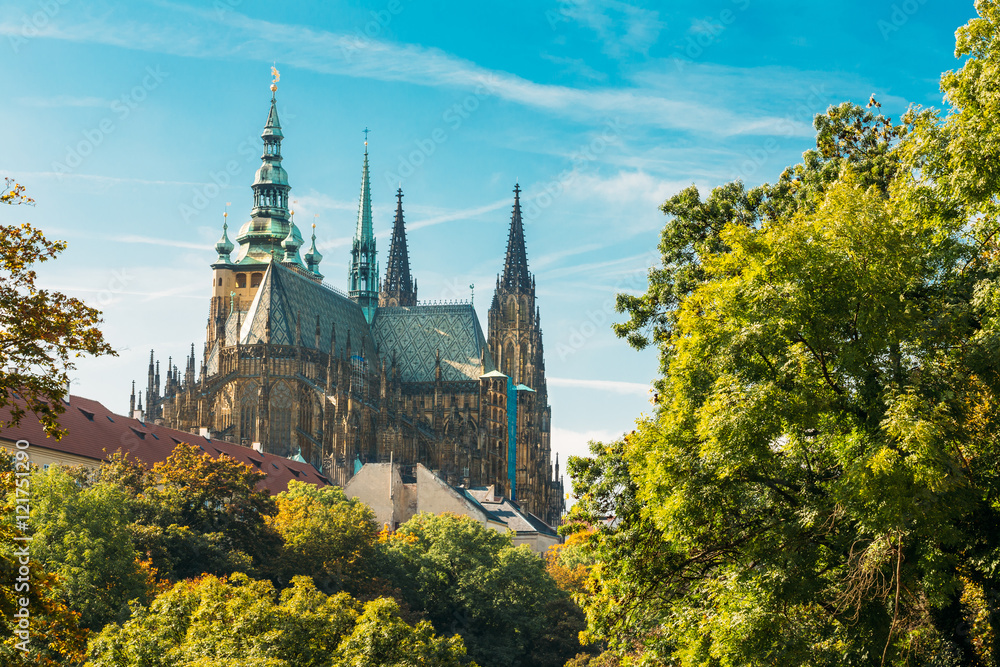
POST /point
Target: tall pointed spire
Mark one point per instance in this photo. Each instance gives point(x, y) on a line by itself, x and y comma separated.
point(515, 268)
point(398, 288)
point(363, 276)
point(260, 238)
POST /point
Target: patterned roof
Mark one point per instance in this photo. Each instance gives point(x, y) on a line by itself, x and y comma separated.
point(284, 296)
point(416, 333)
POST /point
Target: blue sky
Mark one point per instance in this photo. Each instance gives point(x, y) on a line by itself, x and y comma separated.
point(133, 124)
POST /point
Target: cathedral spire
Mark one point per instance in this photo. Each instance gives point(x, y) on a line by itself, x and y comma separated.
point(398, 289)
point(260, 238)
point(515, 268)
point(363, 277)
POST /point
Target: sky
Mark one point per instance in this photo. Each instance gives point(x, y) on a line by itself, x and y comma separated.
point(133, 124)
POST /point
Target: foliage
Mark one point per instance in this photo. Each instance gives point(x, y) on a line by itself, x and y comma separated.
point(326, 535)
point(819, 483)
point(381, 637)
point(247, 623)
point(569, 562)
point(40, 330)
point(197, 514)
point(470, 580)
point(56, 637)
point(82, 535)
point(14, 194)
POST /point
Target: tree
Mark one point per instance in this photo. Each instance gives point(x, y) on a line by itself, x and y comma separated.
point(247, 623)
point(471, 581)
point(382, 638)
point(326, 535)
point(819, 483)
point(82, 534)
point(197, 514)
point(55, 634)
point(40, 330)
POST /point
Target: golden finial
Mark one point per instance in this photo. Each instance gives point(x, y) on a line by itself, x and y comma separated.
point(276, 79)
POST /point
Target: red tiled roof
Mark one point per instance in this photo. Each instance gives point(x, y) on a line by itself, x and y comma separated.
point(94, 432)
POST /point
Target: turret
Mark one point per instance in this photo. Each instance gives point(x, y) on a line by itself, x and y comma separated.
point(313, 257)
point(363, 274)
point(398, 289)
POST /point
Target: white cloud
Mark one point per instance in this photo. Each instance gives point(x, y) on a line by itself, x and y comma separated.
point(335, 53)
point(613, 386)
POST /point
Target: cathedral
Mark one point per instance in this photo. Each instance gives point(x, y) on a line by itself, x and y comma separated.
point(296, 367)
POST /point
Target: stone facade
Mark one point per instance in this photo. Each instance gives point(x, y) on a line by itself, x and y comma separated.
point(341, 379)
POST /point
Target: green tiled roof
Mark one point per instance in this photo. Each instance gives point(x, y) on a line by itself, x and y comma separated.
point(416, 333)
point(285, 296)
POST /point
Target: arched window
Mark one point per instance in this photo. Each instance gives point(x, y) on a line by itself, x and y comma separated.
point(248, 413)
point(280, 414)
point(508, 361)
point(522, 369)
point(255, 279)
point(241, 280)
point(306, 412)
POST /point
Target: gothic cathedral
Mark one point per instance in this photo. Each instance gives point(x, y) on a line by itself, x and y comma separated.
point(299, 368)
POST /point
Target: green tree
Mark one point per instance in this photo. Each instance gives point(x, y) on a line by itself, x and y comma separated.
point(248, 623)
point(197, 514)
point(382, 638)
point(471, 581)
point(41, 331)
point(327, 536)
point(819, 483)
point(82, 534)
point(55, 634)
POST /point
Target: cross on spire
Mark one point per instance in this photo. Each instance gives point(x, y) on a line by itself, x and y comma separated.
point(515, 270)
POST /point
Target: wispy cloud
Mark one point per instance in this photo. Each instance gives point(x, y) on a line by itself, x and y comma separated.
point(98, 178)
point(576, 66)
point(621, 27)
point(464, 214)
point(58, 101)
point(350, 55)
point(613, 386)
point(149, 240)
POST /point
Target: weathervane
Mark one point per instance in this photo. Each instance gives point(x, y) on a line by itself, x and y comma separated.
point(366, 139)
point(276, 79)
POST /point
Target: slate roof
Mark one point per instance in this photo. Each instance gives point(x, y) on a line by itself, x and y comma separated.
point(416, 333)
point(510, 512)
point(94, 432)
point(285, 295)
